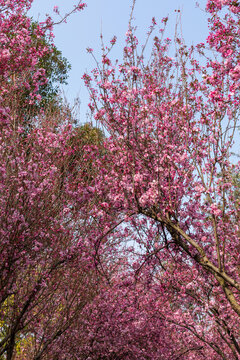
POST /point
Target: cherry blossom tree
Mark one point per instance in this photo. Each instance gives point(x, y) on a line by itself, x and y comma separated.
point(47, 273)
point(173, 130)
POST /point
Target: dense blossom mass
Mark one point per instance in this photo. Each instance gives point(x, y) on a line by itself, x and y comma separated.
point(123, 245)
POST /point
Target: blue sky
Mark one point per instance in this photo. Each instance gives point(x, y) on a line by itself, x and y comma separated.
point(111, 17)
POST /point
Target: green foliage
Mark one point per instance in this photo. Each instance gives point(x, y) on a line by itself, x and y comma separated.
point(56, 72)
point(87, 135)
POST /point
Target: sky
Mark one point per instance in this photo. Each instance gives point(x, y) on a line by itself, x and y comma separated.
point(110, 17)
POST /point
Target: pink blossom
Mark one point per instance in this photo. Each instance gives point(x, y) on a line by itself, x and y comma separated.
point(215, 210)
point(56, 9)
point(235, 73)
point(5, 54)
